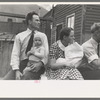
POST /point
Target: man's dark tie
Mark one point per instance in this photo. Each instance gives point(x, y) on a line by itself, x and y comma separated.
point(30, 43)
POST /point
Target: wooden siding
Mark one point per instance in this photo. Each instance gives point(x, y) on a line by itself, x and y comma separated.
point(46, 25)
point(12, 27)
point(64, 10)
point(92, 15)
point(85, 16)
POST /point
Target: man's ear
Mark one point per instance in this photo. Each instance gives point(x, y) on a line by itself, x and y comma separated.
point(64, 37)
point(97, 33)
point(29, 22)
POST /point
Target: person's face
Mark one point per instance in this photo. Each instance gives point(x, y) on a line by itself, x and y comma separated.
point(35, 22)
point(70, 39)
point(37, 41)
point(97, 35)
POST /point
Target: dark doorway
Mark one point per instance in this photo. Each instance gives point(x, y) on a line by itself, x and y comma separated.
point(59, 27)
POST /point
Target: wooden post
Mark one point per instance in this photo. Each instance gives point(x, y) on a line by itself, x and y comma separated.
point(83, 24)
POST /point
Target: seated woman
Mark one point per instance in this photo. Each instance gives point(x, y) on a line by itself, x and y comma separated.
point(59, 70)
point(73, 55)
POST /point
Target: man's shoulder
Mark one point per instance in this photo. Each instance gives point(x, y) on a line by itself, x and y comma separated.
point(87, 43)
point(43, 35)
point(23, 32)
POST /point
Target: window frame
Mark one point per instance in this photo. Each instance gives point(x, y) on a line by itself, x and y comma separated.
point(57, 26)
point(0, 46)
point(70, 16)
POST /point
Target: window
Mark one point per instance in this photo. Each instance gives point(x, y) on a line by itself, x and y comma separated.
point(0, 46)
point(70, 20)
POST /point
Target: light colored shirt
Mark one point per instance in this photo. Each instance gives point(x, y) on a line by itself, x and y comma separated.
point(90, 50)
point(20, 45)
point(73, 55)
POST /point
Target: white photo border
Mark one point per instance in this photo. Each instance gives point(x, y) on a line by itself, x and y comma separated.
point(48, 88)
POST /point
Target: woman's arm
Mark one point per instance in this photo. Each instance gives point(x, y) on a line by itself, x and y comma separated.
point(55, 65)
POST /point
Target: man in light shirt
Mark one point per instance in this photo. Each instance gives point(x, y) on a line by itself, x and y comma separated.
point(19, 56)
point(90, 47)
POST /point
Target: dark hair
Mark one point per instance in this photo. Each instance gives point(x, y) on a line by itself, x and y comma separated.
point(95, 27)
point(30, 15)
point(65, 32)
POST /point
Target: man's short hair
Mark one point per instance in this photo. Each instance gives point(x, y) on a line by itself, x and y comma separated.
point(95, 27)
point(29, 16)
point(65, 32)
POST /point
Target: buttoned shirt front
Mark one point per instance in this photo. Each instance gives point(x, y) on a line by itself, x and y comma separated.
point(90, 50)
point(20, 45)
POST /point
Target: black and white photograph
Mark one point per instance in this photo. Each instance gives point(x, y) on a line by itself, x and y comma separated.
point(66, 46)
point(50, 42)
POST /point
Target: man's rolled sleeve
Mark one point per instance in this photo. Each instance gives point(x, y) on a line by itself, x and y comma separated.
point(15, 60)
point(93, 57)
point(45, 60)
point(91, 54)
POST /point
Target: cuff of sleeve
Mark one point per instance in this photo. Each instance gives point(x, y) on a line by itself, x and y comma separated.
point(93, 57)
point(44, 61)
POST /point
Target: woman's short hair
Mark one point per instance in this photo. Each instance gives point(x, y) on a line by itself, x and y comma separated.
point(29, 16)
point(65, 32)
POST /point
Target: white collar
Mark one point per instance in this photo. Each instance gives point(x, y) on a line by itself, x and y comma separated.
point(94, 42)
point(29, 31)
point(62, 47)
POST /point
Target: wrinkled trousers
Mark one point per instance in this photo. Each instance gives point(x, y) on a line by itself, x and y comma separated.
point(89, 74)
point(28, 76)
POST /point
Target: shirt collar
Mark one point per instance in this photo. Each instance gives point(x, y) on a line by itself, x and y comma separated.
point(29, 31)
point(94, 42)
point(62, 47)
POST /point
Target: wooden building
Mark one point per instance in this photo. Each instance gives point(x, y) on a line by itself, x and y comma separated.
point(79, 17)
point(10, 25)
point(6, 44)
